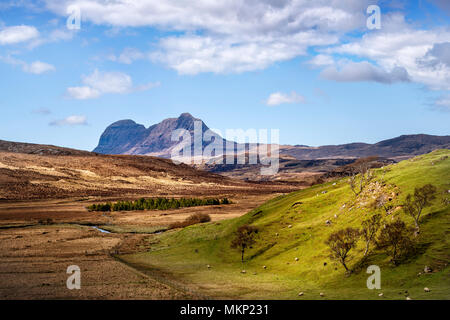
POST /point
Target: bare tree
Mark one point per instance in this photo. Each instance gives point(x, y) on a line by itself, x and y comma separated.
point(341, 242)
point(396, 239)
point(414, 205)
point(382, 201)
point(244, 238)
point(369, 229)
point(360, 174)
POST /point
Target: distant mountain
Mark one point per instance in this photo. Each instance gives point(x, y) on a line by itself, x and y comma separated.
point(128, 137)
point(400, 147)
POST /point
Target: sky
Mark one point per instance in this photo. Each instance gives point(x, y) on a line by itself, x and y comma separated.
point(316, 70)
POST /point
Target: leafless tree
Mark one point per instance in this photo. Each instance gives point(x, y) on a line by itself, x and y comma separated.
point(369, 229)
point(360, 174)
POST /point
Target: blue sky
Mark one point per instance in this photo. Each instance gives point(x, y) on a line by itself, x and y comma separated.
point(309, 68)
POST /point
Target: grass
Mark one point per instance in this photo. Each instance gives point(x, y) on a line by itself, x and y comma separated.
point(294, 226)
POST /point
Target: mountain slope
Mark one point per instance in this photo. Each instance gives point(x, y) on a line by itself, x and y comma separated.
point(293, 226)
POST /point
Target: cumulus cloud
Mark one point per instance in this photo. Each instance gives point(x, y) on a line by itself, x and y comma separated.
point(83, 93)
point(70, 121)
point(99, 83)
point(228, 36)
point(364, 71)
point(196, 54)
point(38, 67)
point(438, 54)
point(398, 45)
point(278, 98)
point(17, 34)
point(321, 60)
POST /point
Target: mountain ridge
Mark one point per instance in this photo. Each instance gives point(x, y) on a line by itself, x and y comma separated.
point(129, 137)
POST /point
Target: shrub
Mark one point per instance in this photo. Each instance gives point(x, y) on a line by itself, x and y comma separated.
point(192, 219)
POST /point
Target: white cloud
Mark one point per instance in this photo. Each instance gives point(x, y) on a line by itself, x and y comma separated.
point(128, 56)
point(70, 121)
point(398, 45)
point(228, 36)
point(99, 83)
point(82, 93)
point(321, 60)
point(18, 34)
point(280, 98)
point(196, 54)
point(364, 71)
point(38, 67)
point(109, 82)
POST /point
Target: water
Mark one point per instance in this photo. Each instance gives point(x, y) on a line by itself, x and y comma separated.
point(101, 230)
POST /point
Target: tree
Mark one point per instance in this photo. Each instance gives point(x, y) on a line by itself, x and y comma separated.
point(396, 239)
point(382, 201)
point(360, 174)
point(341, 242)
point(369, 229)
point(244, 238)
point(414, 205)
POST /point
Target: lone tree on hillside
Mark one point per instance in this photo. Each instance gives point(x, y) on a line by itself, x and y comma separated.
point(396, 239)
point(369, 229)
point(341, 242)
point(360, 174)
point(414, 205)
point(244, 238)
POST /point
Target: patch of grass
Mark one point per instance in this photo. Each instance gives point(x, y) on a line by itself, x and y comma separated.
point(288, 231)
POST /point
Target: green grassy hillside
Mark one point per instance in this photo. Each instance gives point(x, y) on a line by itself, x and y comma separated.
point(293, 226)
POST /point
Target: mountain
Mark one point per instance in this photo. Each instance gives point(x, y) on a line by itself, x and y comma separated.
point(401, 147)
point(128, 137)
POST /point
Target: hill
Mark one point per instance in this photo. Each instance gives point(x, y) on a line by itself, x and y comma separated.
point(294, 226)
point(31, 171)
